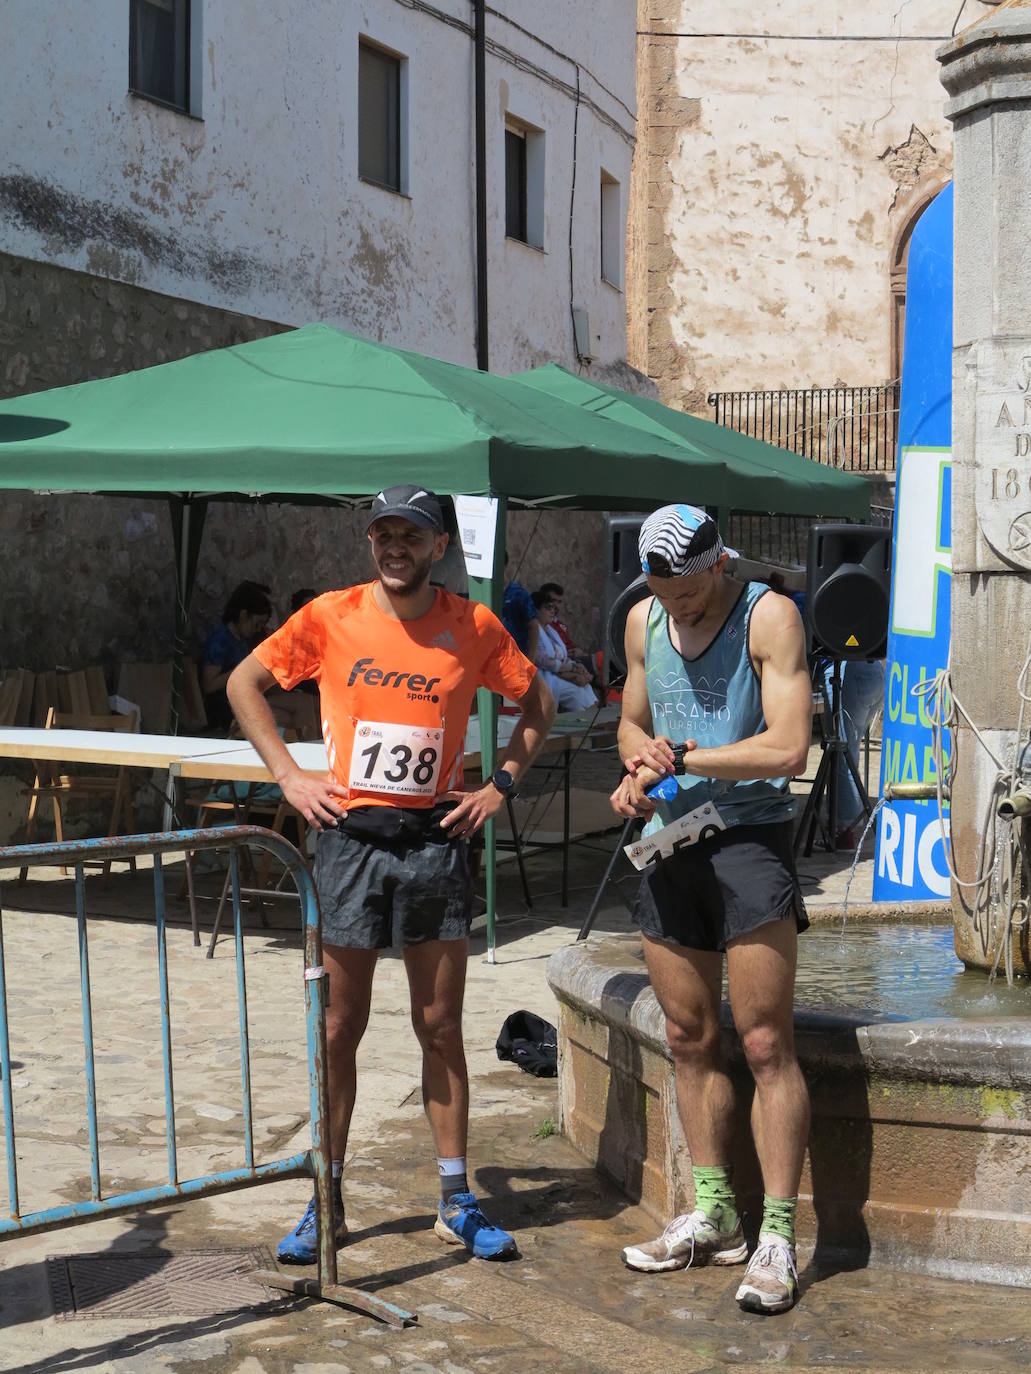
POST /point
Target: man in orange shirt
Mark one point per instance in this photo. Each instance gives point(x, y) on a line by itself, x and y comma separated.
point(397, 663)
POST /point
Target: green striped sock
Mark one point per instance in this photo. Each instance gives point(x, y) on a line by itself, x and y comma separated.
point(779, 1216)
point(714, 1195)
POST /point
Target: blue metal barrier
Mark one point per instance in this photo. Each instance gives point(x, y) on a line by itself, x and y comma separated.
point(315, 1163)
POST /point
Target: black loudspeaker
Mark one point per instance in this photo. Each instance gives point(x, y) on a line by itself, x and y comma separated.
point(615, 624)
point(848, 590)
point(622, 566)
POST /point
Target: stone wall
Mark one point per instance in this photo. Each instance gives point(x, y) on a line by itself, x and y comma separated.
point(782, 154)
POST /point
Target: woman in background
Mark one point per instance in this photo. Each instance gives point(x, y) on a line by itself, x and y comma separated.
point(570, 682)
point(243, 624)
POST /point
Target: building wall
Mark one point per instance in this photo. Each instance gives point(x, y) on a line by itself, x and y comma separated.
point(787, 147)
point(131, 234)
point(255, 205)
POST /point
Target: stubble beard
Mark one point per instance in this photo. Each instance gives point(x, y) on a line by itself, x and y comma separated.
point(407, 585)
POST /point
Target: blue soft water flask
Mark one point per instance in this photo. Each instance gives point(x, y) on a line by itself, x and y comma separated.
point(664, 790)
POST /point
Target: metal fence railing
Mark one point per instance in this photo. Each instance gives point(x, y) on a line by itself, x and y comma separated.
point(781, 539)
point(315, 1163)
point(854, 428)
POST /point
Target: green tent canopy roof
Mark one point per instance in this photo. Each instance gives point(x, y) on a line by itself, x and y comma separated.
point(319, 414)
point(763, 478)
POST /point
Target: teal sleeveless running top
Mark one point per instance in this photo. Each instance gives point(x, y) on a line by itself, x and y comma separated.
point(714, 699)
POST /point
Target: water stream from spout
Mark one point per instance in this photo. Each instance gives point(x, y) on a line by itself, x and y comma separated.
point(855, 859)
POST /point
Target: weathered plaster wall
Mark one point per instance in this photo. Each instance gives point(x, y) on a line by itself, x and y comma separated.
point(786, 149)
point(255, 206)
point(131, 234)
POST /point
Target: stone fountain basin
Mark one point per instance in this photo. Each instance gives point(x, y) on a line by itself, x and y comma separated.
point(920, 1147)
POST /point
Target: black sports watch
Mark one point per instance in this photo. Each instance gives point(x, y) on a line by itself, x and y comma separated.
point(504, 782)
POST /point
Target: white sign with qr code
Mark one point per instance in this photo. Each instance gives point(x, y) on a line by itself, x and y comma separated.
point(699, 824)
point(477, 523)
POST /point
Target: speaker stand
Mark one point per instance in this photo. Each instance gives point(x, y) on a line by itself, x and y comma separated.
point(835, 749)
point(624, 839)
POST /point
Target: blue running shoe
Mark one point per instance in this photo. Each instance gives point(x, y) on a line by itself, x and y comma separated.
point(301, 1246)
point(460, 1222)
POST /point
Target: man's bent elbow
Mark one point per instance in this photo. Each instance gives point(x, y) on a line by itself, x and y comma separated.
point(796, 761)
point(246, 678)
point(545, 702)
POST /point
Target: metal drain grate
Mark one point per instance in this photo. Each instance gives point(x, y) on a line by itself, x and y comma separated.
point(155, 1283)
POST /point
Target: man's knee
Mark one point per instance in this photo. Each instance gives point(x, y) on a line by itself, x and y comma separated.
point(767, 1049)
point(344, 1030)
point(439, 1031)
point(693, 1040)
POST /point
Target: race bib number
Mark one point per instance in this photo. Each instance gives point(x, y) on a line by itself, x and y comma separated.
point(398, 760)
point(699, 824)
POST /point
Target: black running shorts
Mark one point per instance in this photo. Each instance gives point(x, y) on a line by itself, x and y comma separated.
point(383, 895)
point(709, 893)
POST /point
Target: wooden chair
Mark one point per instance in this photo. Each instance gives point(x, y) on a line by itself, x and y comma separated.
point(16, 688)
point(62, 787)
point(149, 685)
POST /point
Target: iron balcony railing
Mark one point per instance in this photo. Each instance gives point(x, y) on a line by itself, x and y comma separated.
point(854, 428)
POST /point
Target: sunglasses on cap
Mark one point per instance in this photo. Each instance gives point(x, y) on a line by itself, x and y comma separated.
point(659, 566)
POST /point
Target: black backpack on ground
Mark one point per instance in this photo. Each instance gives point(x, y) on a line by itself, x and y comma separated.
point(531, 1042)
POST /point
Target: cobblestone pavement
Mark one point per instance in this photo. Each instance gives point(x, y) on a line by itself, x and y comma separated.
point(565, 1305)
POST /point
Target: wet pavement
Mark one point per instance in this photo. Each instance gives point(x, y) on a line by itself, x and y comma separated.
point(566, 1304)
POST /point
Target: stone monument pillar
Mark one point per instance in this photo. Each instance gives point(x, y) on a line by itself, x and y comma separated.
point(987, 73)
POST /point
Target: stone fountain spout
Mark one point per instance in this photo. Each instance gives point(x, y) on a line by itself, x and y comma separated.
point(915, 791)
point(1018, 803)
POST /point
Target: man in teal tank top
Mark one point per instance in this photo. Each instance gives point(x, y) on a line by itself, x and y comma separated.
point(717, 708)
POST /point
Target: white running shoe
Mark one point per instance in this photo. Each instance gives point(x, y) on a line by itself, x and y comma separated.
point(771, 1279)
point(688, 1240)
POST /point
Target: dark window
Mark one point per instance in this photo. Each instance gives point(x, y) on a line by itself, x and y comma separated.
point(379, 117)
point(611, 235)
point(515, 185)
point(159, 48)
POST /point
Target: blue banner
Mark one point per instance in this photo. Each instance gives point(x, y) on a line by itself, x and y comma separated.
point(911, 839)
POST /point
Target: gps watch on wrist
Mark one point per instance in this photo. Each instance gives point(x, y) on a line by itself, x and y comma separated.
point(504, 782)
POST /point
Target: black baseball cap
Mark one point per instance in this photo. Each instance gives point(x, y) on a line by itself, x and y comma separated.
point(415, 504)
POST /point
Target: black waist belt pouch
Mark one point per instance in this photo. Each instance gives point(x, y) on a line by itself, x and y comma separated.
point(397, 824)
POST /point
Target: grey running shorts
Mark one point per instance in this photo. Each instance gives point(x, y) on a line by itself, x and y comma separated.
point(711, 892)
point(378, 895)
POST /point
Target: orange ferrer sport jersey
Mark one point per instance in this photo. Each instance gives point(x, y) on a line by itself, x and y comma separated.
point(396, 694)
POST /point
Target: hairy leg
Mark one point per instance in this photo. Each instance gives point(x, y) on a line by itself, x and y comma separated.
point(350, 996)
point(436, 978)
point(761, 972)
point(687, 984)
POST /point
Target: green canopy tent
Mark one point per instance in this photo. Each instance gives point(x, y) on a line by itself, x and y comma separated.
point(762, 477)
point(319, 415)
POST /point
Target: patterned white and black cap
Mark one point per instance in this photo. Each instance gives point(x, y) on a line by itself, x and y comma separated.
point(412, 503)
point(677, 541)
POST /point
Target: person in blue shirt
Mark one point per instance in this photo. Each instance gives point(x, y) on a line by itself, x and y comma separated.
point(243, 624)
point(518, 615)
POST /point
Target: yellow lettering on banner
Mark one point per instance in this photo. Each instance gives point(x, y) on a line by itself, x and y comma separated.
point(892, 758)
point(909, 768)
point(907, 717)
point(921, 702)
point(894, 676)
